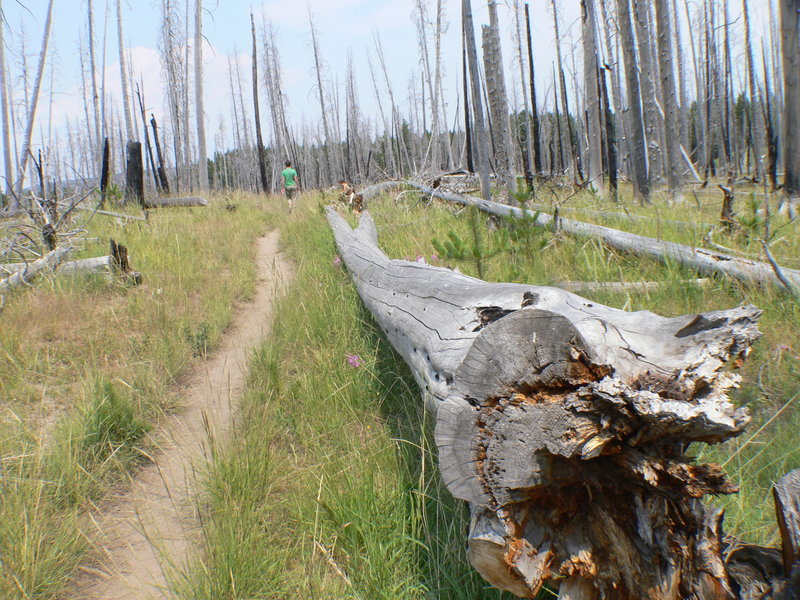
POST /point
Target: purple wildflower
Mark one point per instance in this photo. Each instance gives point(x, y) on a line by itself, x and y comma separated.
point(354, 360)
point(420, 259)
point(434, 258)
point(337, 261)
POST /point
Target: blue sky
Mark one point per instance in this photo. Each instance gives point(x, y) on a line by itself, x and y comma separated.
point(342, 24)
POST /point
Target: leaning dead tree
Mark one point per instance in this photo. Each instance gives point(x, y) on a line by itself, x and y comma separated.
point(563, 423)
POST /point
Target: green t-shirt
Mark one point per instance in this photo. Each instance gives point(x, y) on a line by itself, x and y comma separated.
point(288, 175)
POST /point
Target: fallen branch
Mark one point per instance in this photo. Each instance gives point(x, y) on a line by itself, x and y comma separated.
point(109, 213)
point(700, 259)
point(48, 262)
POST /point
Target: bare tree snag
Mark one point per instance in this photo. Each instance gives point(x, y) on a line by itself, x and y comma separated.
point(104, 172)
point(703, 260)
point(134, 174)
point(790, 48)
point(563, 423)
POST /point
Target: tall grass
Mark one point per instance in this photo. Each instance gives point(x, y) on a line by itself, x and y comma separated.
point(88, 369)
point(330, 488)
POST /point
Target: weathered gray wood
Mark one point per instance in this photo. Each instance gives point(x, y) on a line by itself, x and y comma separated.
point(175, 202)
point(563, 423)
point(577, 287)
point(48, 262)
point(787, 504)
point(109, 213)
point(94, 264)
point(704, 261)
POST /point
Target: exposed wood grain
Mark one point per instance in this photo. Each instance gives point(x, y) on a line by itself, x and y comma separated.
point(48, 262)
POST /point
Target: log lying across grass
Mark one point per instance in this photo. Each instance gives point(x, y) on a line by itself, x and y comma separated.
point(49, 261)
point(115, 263)
point(563, 423)
point(700, 259)
point(175, 202)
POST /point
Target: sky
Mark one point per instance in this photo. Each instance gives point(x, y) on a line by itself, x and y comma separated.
point(343, 26)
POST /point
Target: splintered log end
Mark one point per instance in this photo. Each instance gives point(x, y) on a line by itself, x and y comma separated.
point(579, 465)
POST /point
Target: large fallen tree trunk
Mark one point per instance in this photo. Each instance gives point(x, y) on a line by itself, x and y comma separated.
point(563, 423)
point(175, 202)
point(700, 259)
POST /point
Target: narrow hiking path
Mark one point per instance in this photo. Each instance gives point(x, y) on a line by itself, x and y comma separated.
point(148, 531)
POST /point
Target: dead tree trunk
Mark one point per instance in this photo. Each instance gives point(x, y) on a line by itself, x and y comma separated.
point(481, 141)
point(790, 47)
point(262, 156)
point(162, 172)
point(563, 424)
point(104, 173)
point(537, 146)
point(637, 146)
point(134, 174)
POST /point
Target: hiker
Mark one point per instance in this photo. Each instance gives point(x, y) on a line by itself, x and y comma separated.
point(290, 180)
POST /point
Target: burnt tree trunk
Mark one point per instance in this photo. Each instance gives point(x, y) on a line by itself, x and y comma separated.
point(563, 424)
point(134, 174)
point(104, 173)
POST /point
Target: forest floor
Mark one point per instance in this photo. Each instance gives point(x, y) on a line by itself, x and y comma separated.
point(143, 536)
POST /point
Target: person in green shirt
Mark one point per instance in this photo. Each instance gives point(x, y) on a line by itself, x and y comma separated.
point(291, 182)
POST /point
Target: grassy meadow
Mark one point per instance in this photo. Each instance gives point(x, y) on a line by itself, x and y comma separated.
point(89, 369)
point(330, 487)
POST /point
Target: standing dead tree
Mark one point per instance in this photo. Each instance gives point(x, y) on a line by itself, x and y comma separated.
point(563, 423)
point(260, 151)
point(790, 47)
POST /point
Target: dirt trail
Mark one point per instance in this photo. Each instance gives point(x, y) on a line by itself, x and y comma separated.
point(148, 531)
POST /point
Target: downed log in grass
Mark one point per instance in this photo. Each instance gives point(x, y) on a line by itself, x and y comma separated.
point(48, 262)
point(115, 263)
point(563, 423)
point(109, 213)
point(175, 202)
point(704, 261)
point(623, 286)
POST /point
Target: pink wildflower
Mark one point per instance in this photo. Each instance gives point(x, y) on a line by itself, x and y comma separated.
point(354, 360)
point(420, 259)
point(434, 258)
point(337, 261)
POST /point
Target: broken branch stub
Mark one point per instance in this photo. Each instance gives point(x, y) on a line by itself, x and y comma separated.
point(564, 423)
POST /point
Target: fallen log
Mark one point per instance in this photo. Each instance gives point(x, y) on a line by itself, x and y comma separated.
point(109, 213)
point(563, 423)
point(622, 286)
point(48, 262)
point(703, 260)
point(600, 214)
point(175, 202)
point(115, 263)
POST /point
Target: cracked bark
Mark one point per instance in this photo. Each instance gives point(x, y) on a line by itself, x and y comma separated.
point(564, 424)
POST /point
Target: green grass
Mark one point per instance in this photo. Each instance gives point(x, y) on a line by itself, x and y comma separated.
point(330, 487)
point(89, 369)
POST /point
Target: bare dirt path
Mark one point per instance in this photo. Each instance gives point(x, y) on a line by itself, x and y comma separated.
point(148, 531)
